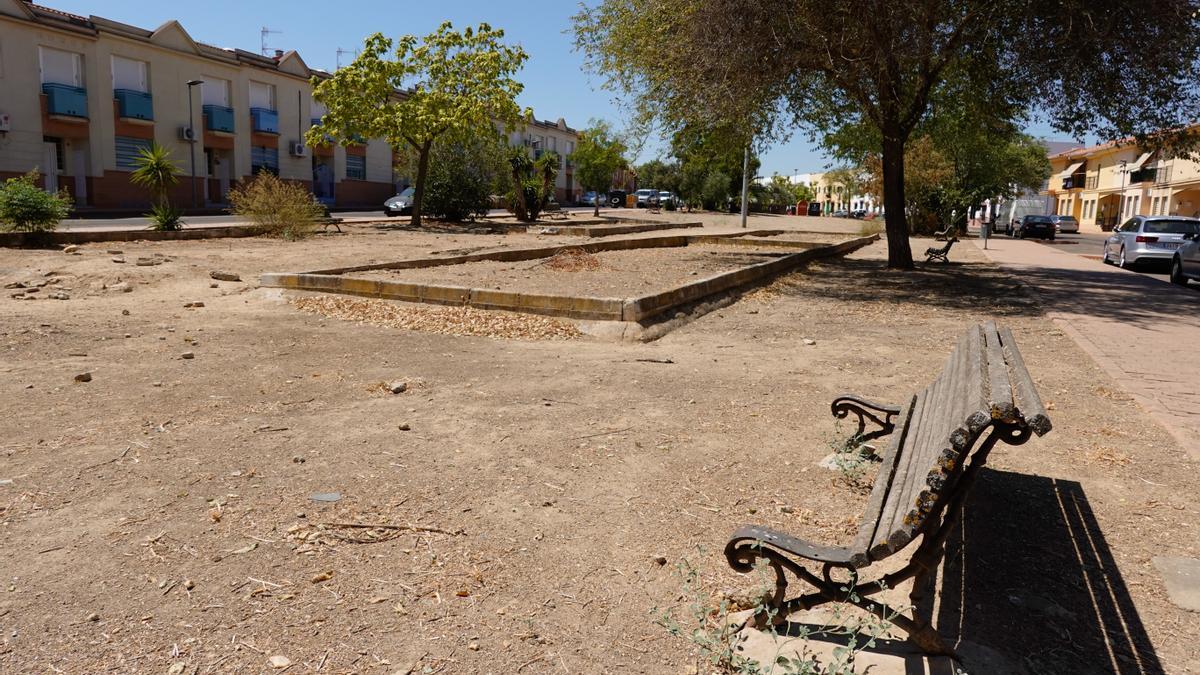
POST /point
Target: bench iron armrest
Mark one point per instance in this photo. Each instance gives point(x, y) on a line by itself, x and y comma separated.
point(879, 413)
point(745, 547)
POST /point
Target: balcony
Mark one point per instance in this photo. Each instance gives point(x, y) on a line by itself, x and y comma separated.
point(1162, 175)
point(264, 121)
point(1092, 181)
point(1141, 176)
point(134, 105)
point(218, 118)
point(65, 100)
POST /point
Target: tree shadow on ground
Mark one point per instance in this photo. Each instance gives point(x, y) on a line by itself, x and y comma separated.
point(1029, 573)
point(441, 227)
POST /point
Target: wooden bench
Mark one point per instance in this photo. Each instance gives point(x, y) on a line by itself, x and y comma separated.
point(942, 253)
point(940, 438)
point(948, 233)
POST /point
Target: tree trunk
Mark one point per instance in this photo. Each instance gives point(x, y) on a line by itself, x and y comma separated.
point(899, 251)
point(596, 203)
point(419, 187)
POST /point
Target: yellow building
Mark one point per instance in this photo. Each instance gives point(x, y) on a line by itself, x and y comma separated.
point(1101, 186)
point(80, 96)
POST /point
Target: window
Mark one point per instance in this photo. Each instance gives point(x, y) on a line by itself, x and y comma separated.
point(59, 67)
point(262, 95)
point(129, 74)
point(128, 150)
point(356, 167)
point(215, 91)
point(264, 159)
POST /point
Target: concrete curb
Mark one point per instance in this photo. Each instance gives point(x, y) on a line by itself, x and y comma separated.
point(574, 307)
point(35, 240)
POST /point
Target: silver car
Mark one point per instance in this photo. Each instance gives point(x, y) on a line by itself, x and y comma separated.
point(1065, 224)
point(1186, 263)
point(1145, 238)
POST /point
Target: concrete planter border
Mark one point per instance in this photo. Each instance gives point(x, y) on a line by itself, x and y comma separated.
point(42, 239)
point(638, 309)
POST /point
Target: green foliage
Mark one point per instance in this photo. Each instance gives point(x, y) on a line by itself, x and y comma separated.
point(165, 217)
point(894, 67)
point(24, 207)
point(598, 155)
point(660, 175)
point(532, 182)
point(714, 193)
point(707, 151)
point(279, 208)
point(155, 171)
point(453, 82)
point(463, 175)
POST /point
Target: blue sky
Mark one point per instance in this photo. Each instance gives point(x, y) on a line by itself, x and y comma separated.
point(555, 83)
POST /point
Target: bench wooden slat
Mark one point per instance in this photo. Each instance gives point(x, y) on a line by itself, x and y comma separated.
point(1029, 403)
point(882, 485)
point(1000, 392)
point(904, 467)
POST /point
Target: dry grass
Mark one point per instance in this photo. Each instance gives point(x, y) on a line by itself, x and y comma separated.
point(573, 260)
point(441, 320)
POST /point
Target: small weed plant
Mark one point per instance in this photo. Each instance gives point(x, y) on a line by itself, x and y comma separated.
point(708, 625)
point(853, 458)
point(279, 208)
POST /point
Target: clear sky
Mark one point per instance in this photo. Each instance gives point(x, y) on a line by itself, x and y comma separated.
point(556, 84)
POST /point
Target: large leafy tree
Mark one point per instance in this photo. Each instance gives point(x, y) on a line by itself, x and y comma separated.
point(1110, 67)
point(412, 91)
point(599, 154)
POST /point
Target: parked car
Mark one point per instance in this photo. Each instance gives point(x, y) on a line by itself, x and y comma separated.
point(400, 205)
point(858, 213)
point(1012, 212)
point(1144, 238)
point(1066, 224)
point(665, 197)
point(1034, 226)
point(616, 198)
point(840, 214)
point(1186, 263)
point(589, 198)
point(646, 197)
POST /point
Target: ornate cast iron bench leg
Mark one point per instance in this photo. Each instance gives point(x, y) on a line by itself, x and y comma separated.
point(881, 414)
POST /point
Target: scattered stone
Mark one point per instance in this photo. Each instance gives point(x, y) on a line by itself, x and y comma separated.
point(121, 287)
point(124, 312)
point(474, 646)
point(35, 289)
point(326, 496)
point(129, 335)
point(786, 509)
point(809, 341)
point(156, 384)
point(323, 576)
point(224, 276)
point(298, 459)
point(147, 262)
point(176, 668)
point(114, 251)
point(15, 284)
point(214, 285)
point(93, 617)
point(405, 427)
point(188, 305)
point(119, 261)
point(189, 584)
point(187, 355)
point(83, 377)
point(398, 387)
point(1181, 576)
point(660, 560)
point(71, 249)
point(59, 295)
point(76, 353)
point(279, 661)
point(301, 514)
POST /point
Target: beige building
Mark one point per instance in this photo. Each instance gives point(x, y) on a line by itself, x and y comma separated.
point(79, 96)
point(1101, 186)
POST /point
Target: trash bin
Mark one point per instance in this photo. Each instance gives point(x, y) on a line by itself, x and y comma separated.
point(631, 201)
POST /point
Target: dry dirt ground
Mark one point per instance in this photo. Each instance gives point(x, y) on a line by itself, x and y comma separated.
point(160, 518)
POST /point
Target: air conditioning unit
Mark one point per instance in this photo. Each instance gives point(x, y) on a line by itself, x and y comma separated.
point(5, 123)
point(297, 149)
point(187, 134)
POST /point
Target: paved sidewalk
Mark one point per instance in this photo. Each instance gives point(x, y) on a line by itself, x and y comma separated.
point(1143, 331)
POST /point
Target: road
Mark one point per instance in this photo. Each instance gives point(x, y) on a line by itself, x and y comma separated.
point(1091, 245)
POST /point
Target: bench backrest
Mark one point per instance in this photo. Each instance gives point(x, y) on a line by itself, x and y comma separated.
point(983, 382)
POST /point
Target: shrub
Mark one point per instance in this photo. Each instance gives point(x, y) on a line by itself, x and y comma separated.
point(279, 208)
point(461, 177)
point(715, 192)
point(165, 217)
point(157, 172)
point(24, 207)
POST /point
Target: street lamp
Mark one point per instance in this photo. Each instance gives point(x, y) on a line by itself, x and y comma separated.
point(192, 128)
point(1121, 201)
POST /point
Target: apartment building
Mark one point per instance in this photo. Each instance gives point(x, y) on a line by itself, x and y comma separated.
point(79, 96)
point(1104, 185)
point(544, 136)
point(833, 196)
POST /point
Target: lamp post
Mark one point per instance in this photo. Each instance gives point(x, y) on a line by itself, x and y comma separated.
point(192, 128)
point(1121, 202)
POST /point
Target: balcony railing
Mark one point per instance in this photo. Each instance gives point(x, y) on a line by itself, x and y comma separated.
point(65, 100)
point(264, 120)
point(218, 118)
point(1092, 182)
point(134, 105)
point(1162, 175)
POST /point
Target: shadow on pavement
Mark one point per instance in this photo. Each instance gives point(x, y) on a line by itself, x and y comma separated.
point(1029, 573)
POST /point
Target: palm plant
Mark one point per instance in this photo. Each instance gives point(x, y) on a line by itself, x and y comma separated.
point(157, 172)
